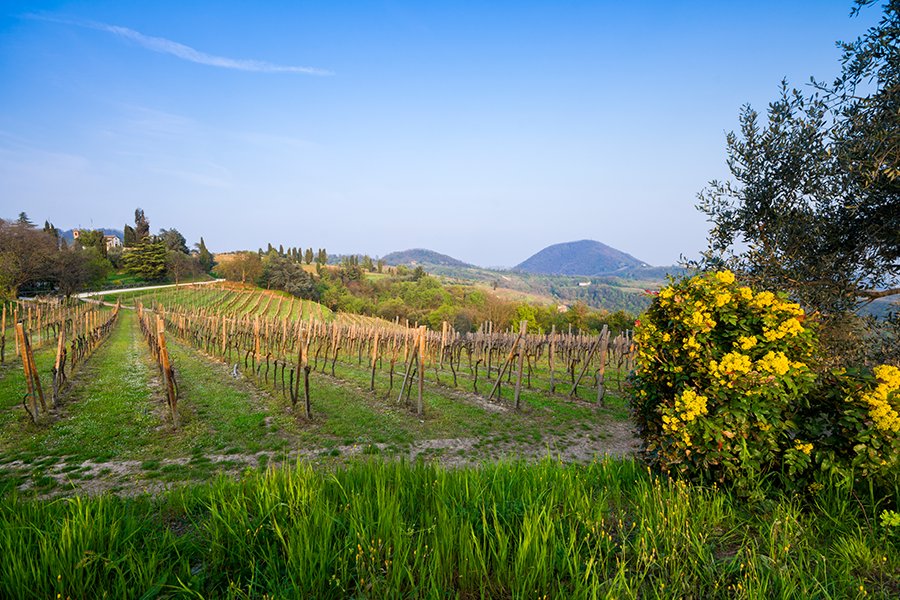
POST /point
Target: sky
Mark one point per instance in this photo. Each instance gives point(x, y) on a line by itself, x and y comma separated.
point(483, 130)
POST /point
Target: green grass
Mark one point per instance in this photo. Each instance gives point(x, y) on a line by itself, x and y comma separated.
point(109, 411)
point(380, 529)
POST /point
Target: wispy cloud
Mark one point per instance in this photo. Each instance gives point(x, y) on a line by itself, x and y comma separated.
point(158, 44)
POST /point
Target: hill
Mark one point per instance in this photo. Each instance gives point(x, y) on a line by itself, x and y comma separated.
point(421, 256)
point(585, 257)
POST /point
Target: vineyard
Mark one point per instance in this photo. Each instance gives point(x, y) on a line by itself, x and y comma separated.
point(242, 377)
point(276, 342)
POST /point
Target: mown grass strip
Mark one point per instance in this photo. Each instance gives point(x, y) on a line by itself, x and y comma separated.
point(110, 410)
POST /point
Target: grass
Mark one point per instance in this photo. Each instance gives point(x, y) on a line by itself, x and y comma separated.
point(378, 529)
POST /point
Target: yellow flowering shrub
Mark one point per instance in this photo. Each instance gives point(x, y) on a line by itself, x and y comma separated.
point(724, 391)
point(859, 413)
point(720, 371)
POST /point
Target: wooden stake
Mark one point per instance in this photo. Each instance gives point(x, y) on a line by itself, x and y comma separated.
point(601, 372)
point(374, 360)
point(167, 369)
point(552, 359)
point(522, 329)
point(26, 364)
point(57, 369)
point(421, 367)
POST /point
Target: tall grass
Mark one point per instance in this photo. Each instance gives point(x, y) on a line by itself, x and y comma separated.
point(380, 529)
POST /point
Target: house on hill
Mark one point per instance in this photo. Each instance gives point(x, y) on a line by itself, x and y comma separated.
point(112, 241)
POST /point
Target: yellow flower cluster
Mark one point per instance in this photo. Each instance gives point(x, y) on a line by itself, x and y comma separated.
point(745, 343)
point(885, 416)
point(764, 299)
point(777, 362)
point(726, 277)
point(688, 407)
point(731, 364)
point(746, 293)
point(789, 307)
point(691, 343)
point(804, 448)
point(700, 319)
point(791, 328)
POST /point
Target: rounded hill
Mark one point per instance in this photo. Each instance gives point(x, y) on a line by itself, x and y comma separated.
point(585, 257)
point(421, 256)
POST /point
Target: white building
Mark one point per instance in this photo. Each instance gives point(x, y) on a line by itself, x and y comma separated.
point(112, 241)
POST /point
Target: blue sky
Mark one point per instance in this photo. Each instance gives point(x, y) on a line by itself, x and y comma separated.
point(482, 130)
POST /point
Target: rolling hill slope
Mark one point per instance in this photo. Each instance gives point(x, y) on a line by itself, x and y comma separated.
point(584, 257)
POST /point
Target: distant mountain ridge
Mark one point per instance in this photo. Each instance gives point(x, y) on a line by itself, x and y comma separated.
point(421, 256)
point(584, 257)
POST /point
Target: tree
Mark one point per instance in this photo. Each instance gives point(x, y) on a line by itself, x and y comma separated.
point(93, 239)
point(173, 240)
point(206, 259)
point(148, 260)
point(26, 256)
point(178, 264)
point(243, 267)
point(308, 256)
point(129, 240)
point(78, 268)
point(51, 230)
point(814, 209)
point(141, 226)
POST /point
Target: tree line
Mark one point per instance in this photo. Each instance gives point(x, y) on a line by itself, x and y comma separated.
point(408, 295)
point(41, 260)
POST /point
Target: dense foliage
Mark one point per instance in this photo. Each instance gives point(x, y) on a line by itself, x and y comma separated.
point(814, 208)
point(727, 390)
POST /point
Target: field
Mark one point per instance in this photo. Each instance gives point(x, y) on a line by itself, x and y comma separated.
point(249, 498)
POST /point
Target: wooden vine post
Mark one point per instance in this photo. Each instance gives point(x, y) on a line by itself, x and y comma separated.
point(601, 371)
point(167, 369)
point(59, 367)
point(421, 367)
point(523, 327)
point(552, 359)
point(303, 364)
point(32, 381)
point(374, 361)
point(502, 371)
point(3, 336)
